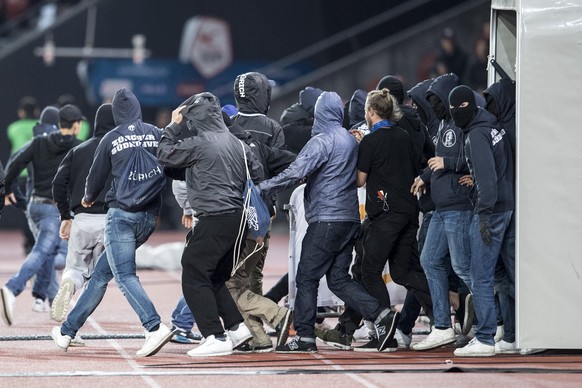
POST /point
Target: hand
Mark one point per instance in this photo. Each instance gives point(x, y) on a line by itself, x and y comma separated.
point(86, 204)
point(466, 180)
point(359, 135)
point(65, 229)
point(9, 199)
point(418, 188)
point(485, 232)
point(436, 163)
point(177, 116)
point(187, 220)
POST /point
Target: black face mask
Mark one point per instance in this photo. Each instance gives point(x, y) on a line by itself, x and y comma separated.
point(421, 113)
point(463, 106)
point(437, 106)
point(491, 106)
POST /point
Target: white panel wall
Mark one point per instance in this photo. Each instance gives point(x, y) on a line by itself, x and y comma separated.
point(549, 196)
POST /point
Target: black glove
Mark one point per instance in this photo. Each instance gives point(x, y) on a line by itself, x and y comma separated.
point(485, 232)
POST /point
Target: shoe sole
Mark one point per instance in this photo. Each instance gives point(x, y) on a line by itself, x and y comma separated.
point(476, 355)
point(384, 344)
point(61, 302)
point(266, 350)
point(338, 346)
point(434, 346)
point(469, 318)
point(284, 333)
point(296, 351)
point(157, 348)
point(5, 313)
point(228, 353)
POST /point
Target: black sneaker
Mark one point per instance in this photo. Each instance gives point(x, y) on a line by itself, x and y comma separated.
point(372, 346)
point(297, 346)
point(386, 327)
point(185, 336)
point(469, 315)
point(249, 348)
point(285, 324)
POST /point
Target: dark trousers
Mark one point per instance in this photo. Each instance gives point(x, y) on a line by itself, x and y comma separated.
point(207, 263)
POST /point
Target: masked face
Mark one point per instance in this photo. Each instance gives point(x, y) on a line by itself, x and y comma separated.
point(421, 112)
point(491, 106)
point(462, 105)
point(437, 106)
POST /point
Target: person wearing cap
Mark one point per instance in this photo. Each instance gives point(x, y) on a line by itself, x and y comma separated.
point(44, 154)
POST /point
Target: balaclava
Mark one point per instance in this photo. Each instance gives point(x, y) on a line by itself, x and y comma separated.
point(460, 95)
point(437, 106)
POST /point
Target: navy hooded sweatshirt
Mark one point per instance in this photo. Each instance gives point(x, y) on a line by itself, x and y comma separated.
point(114, 150)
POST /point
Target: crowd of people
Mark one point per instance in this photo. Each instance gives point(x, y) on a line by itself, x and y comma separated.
point(445, 158)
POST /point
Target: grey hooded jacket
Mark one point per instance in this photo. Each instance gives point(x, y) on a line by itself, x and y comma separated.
point(328, 162)
point(214, 159)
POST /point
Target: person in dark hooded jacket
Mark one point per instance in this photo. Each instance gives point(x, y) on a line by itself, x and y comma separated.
point(328, 162)
point(215, 176)
point(500, 101)
point(252, 93)
point(446, 243)
point(44, 154)
point(124, 230)
point(297, 120)
point(83, 227)
point(488, 155)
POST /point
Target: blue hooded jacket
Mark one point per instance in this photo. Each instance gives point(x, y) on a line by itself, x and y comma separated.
point(328, 162)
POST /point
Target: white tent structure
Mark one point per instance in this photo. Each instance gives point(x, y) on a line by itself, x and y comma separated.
point(539, 44)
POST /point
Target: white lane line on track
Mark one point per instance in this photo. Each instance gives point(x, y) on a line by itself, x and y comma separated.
point(352, 376)
point(135, 366)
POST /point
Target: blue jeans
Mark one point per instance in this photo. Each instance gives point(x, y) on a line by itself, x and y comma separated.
point(124, 233)
point(483, 261)
point(447, 236)
point(40, 260)
point(505, 282)
point(327, 250)
point(46, 283)
point(182, 316)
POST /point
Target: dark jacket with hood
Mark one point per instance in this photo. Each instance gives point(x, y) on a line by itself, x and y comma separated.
point(44, 153)
point(500, 101)
point(48, 122)
point(488, 151)
point(328, 161)
point(418, 95)
point(297, 120)
point(2, 190)
point(214, 158)
point(114, 149)
point(252, 93)
point(69, 181)
point(446, 192)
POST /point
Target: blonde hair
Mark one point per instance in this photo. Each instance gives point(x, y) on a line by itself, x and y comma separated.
point(384, 104)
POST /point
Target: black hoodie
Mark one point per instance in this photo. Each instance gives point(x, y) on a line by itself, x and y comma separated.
point(500, 98)
point(45, 154)
point(252, 93)
point(2, 193)
point(69, 182)
point(113, 151)
point(446, 192)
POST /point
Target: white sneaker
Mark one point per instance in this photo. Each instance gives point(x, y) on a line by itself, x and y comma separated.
point(240, 336)
point(78, 342)
point(530, 351)
point(475, 349)
point(60, 304)
point(7, 300)
point(211, 346)
point(403, 339)
point(499, 333)
point(154, 341)
point(40, 306)
point(504, 347)
point(436, 338)
point(62, 341)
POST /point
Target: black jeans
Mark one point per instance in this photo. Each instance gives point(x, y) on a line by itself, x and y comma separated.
point(207, 263)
